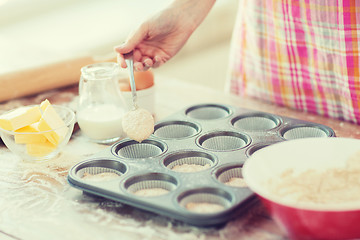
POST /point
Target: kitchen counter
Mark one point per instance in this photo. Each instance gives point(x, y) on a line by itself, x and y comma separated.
point(36, 202)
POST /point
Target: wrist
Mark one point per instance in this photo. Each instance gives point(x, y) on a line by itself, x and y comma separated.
point(193, 11)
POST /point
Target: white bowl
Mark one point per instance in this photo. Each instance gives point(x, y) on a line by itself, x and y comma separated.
point(304, 219)
point(8, 137)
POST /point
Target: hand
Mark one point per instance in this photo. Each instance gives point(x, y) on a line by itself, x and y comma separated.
point(158, 39)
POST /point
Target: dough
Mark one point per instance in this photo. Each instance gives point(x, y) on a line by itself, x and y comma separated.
point(100, 176)
point(190, 167)
point(236, 182)
point(138, 124)
point(151, 192)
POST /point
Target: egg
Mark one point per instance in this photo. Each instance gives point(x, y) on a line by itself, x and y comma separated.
point(143, 80)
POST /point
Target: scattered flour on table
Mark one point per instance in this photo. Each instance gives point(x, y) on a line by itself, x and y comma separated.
point(335, 185)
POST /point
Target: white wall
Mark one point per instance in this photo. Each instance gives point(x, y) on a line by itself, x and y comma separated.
point(40, 33)
point(37, 32)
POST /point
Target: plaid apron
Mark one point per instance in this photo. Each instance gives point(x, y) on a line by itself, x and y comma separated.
point(303, 54)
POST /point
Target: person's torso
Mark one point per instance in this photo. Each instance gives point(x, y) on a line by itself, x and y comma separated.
point(300, 54)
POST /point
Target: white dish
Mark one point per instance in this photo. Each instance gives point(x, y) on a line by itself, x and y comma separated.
point(298, 155)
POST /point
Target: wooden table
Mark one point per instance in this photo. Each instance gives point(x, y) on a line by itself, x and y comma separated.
point(36, 202)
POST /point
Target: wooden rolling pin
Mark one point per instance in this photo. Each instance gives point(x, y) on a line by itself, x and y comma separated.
point(35, 80)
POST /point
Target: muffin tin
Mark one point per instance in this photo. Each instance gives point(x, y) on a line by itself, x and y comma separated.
point(214, 139)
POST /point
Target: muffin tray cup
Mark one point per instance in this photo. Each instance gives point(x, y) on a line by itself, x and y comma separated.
point(216, 138)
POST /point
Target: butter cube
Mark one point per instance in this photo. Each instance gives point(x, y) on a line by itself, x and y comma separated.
point(44, 104)
point(28, 137)
point(39, 149)
point(50, 120)
point(19, 118)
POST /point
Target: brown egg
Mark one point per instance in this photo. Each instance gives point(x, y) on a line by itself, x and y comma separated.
point(143, 80)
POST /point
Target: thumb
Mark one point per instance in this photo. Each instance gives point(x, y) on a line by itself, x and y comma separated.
point(133, 40)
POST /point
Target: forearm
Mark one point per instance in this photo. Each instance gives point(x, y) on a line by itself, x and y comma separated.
point(160, 37)
point(194, 10)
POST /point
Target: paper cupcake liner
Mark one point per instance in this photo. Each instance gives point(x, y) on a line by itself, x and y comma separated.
point(208, 112)
point(304, 132)
point(231, 176)
point(189, 161)
point(205, 201)
point(224, 141)
point(176, 129)
point(146, 149)
point(259, 122)
point(151, 185)
point(100, 170)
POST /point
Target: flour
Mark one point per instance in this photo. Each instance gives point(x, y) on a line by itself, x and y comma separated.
point(190, 167)
point(151, 192)
point(105, 176)
point(236, 182)
point(331, 186)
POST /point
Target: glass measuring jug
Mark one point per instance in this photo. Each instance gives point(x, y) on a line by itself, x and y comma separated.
point(101, 106)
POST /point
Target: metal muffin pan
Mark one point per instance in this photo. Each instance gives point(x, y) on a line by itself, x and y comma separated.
point(213, 139)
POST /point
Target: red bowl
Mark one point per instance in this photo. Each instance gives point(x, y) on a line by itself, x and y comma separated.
point(305, 220)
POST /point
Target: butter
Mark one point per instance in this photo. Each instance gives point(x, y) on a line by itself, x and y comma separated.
point(38, 130)
point(44, 104)
point(20, 118)
point(29, 135)
point(50, 120)
point(40, 149)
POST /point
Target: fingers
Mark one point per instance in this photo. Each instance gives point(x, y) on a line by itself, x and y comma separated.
point(144, 64)
point(145, 56)
point(137, 55)
point(121, 60)
point(147, 62)
point(141, 63)
point(158, 61)
point(130, 45)
point(138, 66)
